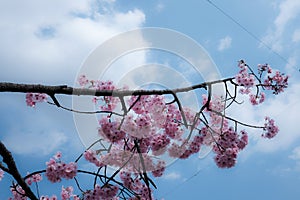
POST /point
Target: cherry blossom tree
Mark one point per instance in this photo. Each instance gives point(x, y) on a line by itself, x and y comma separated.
point(138, 128)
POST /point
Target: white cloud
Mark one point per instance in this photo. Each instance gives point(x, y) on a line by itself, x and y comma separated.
point(292, 68)
point(172, 176)
point(47, 41)
point(296, 154)
point(160, 7)
point(283, 108)
point(288, 11)
point(38, 144)
point(296, 35)
point(225, 43)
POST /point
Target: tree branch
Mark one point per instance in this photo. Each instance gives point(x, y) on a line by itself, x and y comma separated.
point(12, 169)
point(66, 90)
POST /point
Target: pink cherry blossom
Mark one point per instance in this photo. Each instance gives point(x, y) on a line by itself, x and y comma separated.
point(159, 169)
point(57, 169)
point(242, 143)
point(106, 103)
point(227, 147)
point(244, 78)
point(53, 197)
point(264, 67)
point(66, 193)
point(176, 150)
point(33, 98)
point(91, 156)
point(151, 129)
point(1, 174)
point(226, 159)
point(159, 141)
point(278, 82)
point(34, 179)
point(57, 156)
point(245, 90)
point(106, 192)
point(18, 193)
point(82, 80)
point(137, 106)
point(255, 100)
point(110, 130)
point(270, 129)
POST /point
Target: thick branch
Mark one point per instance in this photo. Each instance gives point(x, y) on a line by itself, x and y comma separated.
point(11, 165)
point(66, 90)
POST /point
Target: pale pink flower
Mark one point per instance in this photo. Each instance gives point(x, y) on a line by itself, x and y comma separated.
point(1, 174)
point(57, 156)
point(33, 98)
point(82, 80)
point(244, 78)
point(57, 170)
point(110, 130)
point(48, 198)
point(91, 156)
point(34, 179)
point(270, 129)
point(18, 193)
point(66, 193)
point(255, 100)
point(228, 146)
point(277, 82)
point(108, 192)
point(159, 169)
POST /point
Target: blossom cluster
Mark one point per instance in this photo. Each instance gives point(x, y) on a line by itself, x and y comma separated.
point(226, 142)
point(270, 128)
point(91, 156)
point(257, 99)
point(135, 184)
point(66, 194)
point(110, 130)
point(227, 147)
point(275, 82)
point(244, 78)
point(158, 129)
point(130, 161)
point(33, 98)
point(151, 129)
point(56, 169)
point(34, 179)
point(18, 193)
point(107, 103)
point(53, 197)
point(106, 192)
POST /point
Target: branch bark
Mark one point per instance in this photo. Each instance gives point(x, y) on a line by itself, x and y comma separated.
point(13, 170)
point(66, 90)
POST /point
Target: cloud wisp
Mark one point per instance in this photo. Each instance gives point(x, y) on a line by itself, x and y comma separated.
point(225, 43)
point(288, 11)
point(51, 47)
point(32, 143)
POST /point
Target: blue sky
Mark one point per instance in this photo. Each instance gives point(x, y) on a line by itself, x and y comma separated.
point(46, 42)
